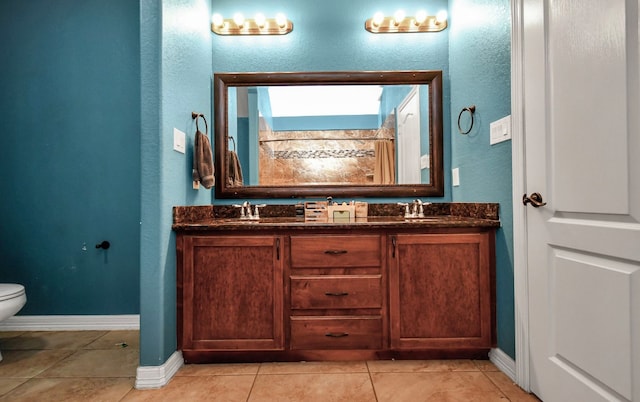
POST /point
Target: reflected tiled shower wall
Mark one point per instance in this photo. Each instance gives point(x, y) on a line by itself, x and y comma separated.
point(319, 156)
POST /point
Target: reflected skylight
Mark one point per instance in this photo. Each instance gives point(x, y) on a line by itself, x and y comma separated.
point(325, 100)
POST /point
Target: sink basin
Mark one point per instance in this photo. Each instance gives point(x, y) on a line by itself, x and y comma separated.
point(238, 221)
point(424, 219)
point(287, 221)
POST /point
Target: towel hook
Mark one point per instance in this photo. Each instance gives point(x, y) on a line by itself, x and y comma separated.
point(195, 116)
point(233, 140)
point(471, 109)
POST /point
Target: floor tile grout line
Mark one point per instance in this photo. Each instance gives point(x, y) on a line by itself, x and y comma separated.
point(255, 378)
point(133, 388)
point(373, 386)
point(495, 386)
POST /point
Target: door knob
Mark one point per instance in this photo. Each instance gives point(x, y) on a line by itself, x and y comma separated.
point(535, 199)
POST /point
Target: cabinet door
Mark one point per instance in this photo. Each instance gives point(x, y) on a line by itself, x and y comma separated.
point(232, 293)
point(440, 291)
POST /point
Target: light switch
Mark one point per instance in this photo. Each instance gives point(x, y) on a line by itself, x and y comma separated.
point(500, 130)
point(455, 177)
point(179, 140)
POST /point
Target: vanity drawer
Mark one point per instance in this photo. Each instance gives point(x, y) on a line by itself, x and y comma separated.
point(335, 251)
point(336, 292)
point(336, 332)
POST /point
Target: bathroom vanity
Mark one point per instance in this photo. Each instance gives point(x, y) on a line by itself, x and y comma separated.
point(382, 287)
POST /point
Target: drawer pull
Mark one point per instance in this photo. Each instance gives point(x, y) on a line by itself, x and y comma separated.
point(336, 334)
point(335, 252)
point(336, 293)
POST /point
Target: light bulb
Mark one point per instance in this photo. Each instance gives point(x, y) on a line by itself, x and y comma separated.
point(238, 18)
point(441, 16)
point(260, 20)
point(281, 20)
point(421, 16)
point(378, 18)
point(399, 17)
point(217, 20)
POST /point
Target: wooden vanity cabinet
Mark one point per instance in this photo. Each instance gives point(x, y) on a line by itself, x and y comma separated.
point(230, 293)
point(335, 294)
point(441, 291)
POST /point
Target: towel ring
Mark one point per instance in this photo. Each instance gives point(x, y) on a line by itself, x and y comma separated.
point(195, 116)
point(471, 109)
point(233, 140)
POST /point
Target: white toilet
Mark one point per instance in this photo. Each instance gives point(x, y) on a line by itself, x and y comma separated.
point(12, 298)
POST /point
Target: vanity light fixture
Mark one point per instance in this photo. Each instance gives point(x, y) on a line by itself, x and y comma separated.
point(260, 25)
point(238, 18)
point(398, 17)
point(260, 20)
point(400, 23)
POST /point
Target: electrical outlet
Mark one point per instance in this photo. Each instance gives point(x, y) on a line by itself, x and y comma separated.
point(179, 140)
point(455, 177)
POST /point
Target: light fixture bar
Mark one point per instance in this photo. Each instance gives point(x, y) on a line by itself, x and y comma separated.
point(409, 24)
point(250, 26)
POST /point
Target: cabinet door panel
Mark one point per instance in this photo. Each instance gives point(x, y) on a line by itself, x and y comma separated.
point(234, 288)
point(440, 291)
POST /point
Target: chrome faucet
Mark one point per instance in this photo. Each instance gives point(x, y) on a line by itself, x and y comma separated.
point(246, 211)
point(418, 210)
point(256, 212)
point(407, 214)
point(241, 207)
point(414, 209)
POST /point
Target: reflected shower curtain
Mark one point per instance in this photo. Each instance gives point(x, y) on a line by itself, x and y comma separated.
point(385, 166)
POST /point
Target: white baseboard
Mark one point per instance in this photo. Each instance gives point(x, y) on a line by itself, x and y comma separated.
point(70, 322)
point(151, 377)
point(504, 362)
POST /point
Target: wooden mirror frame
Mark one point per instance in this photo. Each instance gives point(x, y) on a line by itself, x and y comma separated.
point(222, 81)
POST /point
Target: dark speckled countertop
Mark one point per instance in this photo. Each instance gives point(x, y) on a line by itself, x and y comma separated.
point(381, 216)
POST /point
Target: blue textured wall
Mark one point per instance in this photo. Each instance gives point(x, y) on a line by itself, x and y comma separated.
point(176, 80)
point(329, 35)
point(480, 62)
point(69, 160)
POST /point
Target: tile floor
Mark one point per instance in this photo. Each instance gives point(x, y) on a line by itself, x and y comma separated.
point(101, 366)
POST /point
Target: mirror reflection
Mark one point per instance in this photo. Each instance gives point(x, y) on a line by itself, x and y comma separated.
point(307, 134)
point(330, 134)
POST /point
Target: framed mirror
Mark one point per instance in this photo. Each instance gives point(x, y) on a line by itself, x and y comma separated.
point(319, 134)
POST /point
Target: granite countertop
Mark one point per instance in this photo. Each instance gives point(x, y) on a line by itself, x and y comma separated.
point(381, 216)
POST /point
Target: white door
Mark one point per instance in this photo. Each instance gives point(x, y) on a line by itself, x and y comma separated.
point(409, 139)
point(582, 141)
